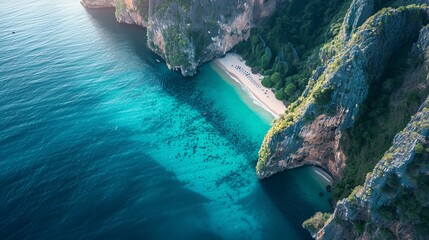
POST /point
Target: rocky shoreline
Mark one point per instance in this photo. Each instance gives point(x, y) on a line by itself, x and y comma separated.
point(184, 37)
point(312, 129)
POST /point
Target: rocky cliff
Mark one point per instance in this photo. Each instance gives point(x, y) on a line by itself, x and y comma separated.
point(98, 3)
point(394, 202)
point(310, 131)
point(188, 33)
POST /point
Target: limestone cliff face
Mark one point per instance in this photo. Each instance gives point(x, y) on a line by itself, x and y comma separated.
point(187, 36)
point(358, 13)
point(310, 131)
point(394, 200)
point(126, 11)
point(98, 3)
point(188, 33)
point(132, 11)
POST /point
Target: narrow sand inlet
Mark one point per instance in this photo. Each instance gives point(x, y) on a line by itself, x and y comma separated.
point(234, 65)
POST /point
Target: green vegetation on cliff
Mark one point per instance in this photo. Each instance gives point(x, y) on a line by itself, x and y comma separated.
point(323, 96)
point(175, 42)
point(142, 8)
point(184, 4)
point(419, 149)
point(410, 204)
point(286, 45)
point(315, 223)
point(119, 7)
point(390, 103)
point(359, 62)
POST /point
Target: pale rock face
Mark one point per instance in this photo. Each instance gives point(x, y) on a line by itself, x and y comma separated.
point(395, 162)
point(132, 12)
point(359, 11)
point(188, 35)
point(127, 11)
point(310, 134)
point(371, 196)
point(99, 3)
point(264, 8)
point(208, 29)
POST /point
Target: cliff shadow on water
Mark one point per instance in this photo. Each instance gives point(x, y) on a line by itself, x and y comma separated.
point(171, 82)
point(280, 186)
point(296, 194)
point(185, 90)
point(133, 35)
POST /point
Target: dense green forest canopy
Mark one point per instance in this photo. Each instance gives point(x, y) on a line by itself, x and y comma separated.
point(284, 48)
point(288, 43)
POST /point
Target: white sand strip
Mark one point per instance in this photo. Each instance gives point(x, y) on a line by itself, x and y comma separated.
point(323, 174)
point(234, 65)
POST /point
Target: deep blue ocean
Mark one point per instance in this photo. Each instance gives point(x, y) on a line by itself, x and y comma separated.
point(99, 140)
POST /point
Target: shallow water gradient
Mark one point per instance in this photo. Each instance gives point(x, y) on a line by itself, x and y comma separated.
point(98, 140)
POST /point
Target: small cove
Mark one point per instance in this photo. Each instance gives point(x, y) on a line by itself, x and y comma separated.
point(100, 140)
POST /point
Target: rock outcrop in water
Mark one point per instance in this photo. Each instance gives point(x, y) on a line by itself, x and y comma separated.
point(394, 201)
point(188, 33)
point(310, 131)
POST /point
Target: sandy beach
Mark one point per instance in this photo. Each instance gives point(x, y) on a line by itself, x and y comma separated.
point(234, 65)
point(319, 171)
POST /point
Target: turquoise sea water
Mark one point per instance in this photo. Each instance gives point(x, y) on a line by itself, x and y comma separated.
point(98, 140)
